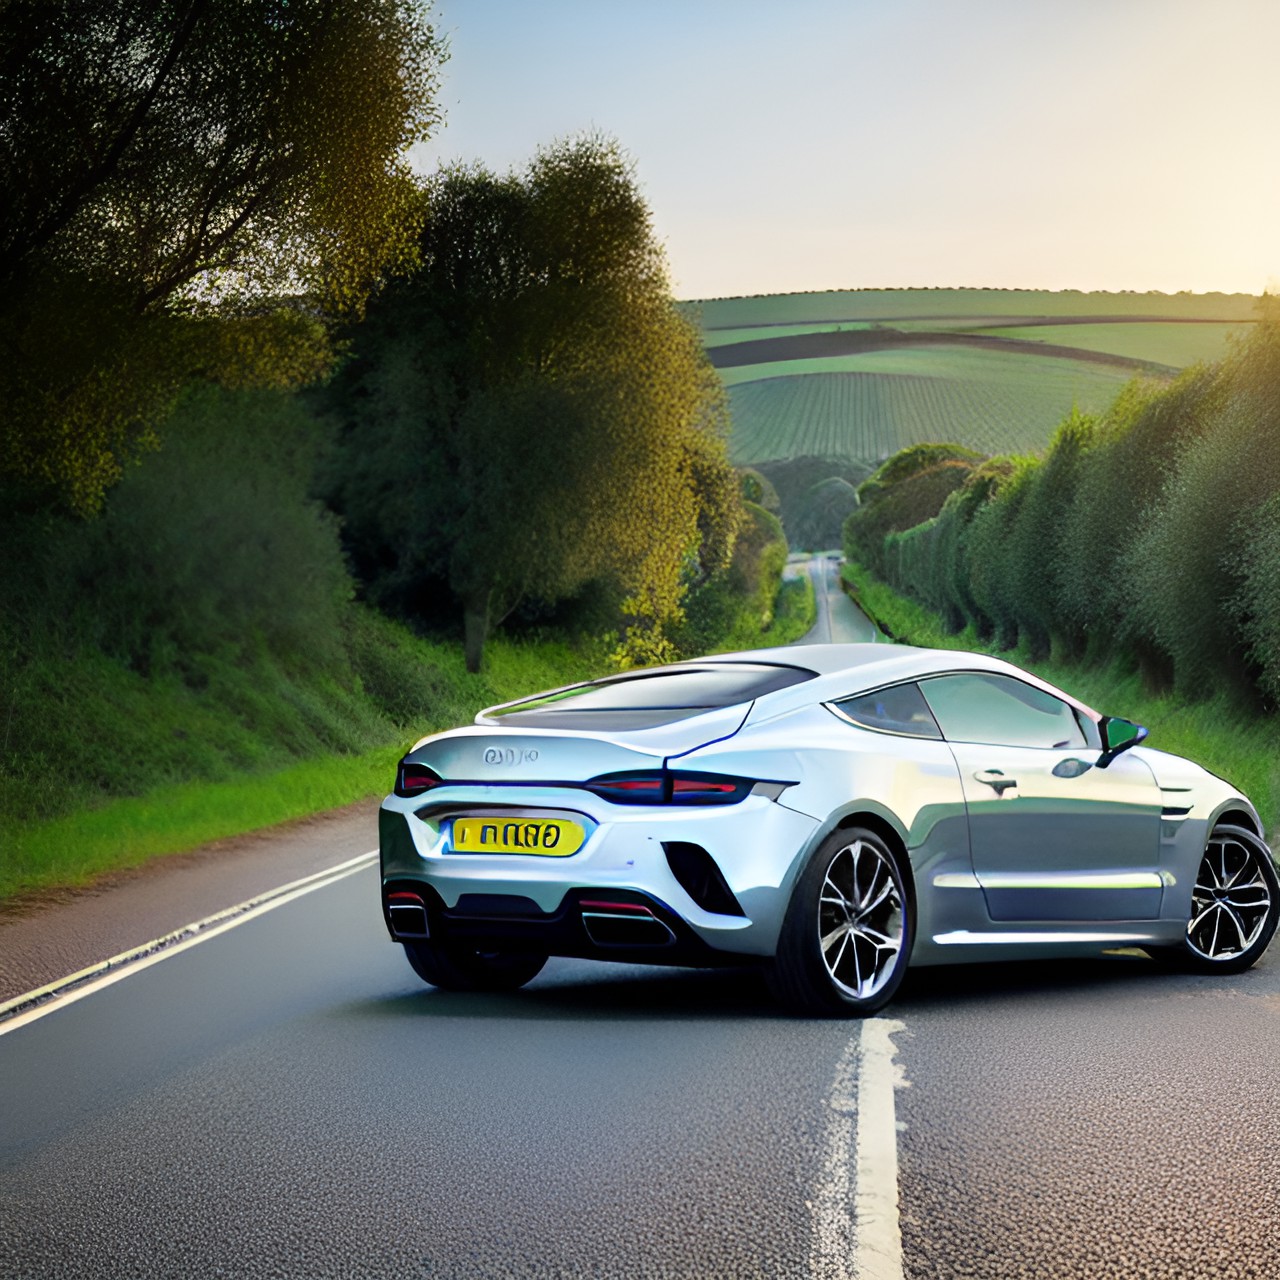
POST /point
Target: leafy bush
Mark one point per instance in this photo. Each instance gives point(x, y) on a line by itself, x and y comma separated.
point(741, 597)
point(1196, 546)
point(759, 489)
point(911, 461)
point(1036, 554)
point(1257, 602)
point(898, 498)
point(991, 550)
point(1134, 448)
point(213, 547)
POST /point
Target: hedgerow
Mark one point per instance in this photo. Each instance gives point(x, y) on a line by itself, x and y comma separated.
point(1150, 532)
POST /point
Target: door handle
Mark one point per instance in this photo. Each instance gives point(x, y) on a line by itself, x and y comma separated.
point(995, 778)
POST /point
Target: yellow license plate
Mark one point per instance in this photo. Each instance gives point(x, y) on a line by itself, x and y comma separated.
point(545, 837)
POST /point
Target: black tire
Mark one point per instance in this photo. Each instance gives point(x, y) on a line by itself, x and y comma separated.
point(453, 968)
point(1235, 906)
point(854, 886)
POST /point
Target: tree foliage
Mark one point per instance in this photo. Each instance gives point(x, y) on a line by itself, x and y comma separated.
point(825, 506)
point(908, 488)
point(795, 483)
point(170, 172)
point(527, 412)
point(214, 548)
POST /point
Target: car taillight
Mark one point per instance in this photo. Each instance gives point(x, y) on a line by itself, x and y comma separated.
point(690, 785)
point(413, 779)
point(663, 787)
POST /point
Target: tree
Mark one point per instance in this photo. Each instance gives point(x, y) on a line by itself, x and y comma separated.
point(905, 490)
point(170, 172)
point(1036, 543)
point(528, 412)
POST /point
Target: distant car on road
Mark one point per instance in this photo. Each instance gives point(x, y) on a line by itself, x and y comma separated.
point(831, 812)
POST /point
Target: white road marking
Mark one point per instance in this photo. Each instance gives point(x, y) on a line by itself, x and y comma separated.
point(44, 1000)
point(856, 1235)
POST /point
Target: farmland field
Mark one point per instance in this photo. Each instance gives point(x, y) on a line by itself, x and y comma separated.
point(1023, 372)
point(990, 305)
point(1174, 344)
point(867, 415)
point(718, 337)
point(990, 368)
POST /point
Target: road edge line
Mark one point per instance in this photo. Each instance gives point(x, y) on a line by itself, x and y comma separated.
point(855, 1229)
point(878, 1253)
point(31, 1005)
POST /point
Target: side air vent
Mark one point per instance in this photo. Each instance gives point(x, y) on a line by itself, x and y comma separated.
point(696, 871)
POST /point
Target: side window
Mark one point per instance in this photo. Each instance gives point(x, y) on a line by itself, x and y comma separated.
point(977, 707)
point(899, 709)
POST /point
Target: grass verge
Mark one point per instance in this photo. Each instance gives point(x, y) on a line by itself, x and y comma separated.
point(1211, 732)
point(405, 681)
point(115, 832)
point(794, 612)
point(127, 832)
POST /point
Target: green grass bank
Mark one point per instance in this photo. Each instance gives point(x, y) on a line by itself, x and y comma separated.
point(257, 744)
point(172, 767)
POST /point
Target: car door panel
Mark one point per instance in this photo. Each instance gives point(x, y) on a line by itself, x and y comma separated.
point(1048, 846)
point(1053, 837)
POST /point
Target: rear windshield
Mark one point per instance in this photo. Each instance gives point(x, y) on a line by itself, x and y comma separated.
point(647, 698)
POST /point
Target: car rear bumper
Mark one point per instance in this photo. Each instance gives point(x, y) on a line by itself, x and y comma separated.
point(717, 879)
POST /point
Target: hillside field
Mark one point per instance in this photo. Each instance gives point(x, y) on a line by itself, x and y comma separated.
point(858, 374)
point(866, 414)
point(887, 305)
point(1173, 343)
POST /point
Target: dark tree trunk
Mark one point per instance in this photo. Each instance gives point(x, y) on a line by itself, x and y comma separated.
point(475, 617)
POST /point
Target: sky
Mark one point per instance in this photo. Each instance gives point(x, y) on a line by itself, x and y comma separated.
point(819, 144)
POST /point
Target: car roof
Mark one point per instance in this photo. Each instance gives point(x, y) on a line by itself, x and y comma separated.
point(847, 669)
point(839, 671)
point(822, 659)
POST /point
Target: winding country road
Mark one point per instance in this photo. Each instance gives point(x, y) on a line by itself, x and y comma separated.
point(285, 1098)
point(839, 620)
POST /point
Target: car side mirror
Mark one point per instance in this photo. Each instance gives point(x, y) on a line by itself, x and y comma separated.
point(1118, 735)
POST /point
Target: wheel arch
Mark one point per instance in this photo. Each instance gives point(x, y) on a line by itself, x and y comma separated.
point(889, 833)
point(1239, 814)
point(859, 813)
point(800, 976)
point(1236, 812)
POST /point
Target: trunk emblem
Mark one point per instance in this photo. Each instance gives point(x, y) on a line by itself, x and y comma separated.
point(511, 755)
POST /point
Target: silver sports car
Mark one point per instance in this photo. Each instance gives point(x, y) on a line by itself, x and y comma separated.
point(832, 812)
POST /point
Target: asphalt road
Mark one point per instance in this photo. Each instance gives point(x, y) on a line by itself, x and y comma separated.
point(839, 620)
point(287, 1099)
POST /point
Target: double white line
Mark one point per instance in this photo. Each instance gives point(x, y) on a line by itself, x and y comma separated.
point(44, 1000)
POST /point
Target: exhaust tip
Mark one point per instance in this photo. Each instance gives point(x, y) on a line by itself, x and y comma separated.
point(624, 924)
point(407, 915)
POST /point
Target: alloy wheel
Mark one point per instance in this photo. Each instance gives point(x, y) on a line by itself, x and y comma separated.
point(860, 919)
point(1232, 899)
